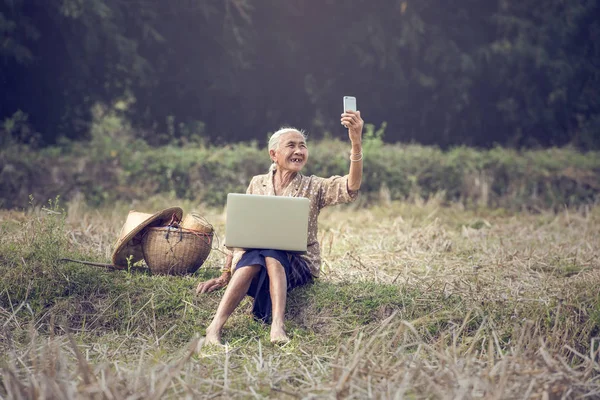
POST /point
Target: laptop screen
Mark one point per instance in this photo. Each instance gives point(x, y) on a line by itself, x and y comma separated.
point(267, 222)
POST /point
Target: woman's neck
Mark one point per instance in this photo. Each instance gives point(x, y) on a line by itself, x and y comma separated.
point(282, 179)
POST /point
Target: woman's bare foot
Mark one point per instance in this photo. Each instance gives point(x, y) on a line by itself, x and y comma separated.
point(213, 336)
point(278, 335)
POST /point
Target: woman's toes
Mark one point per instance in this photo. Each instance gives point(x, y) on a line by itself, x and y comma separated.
point(278, 335)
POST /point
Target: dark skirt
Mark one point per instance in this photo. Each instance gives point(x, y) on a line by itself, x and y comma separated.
point(296, 271)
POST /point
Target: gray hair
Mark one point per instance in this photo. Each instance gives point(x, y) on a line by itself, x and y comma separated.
point(274, 140)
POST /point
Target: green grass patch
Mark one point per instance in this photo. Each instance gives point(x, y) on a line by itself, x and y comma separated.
point(412, 294)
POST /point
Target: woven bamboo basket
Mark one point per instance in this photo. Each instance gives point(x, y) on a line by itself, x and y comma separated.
point(175, 251)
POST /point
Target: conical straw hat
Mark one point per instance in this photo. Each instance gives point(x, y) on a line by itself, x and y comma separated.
point(129, 242)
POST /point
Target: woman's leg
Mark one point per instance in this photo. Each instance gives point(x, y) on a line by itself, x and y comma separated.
point(235, 292)
point(278, 289)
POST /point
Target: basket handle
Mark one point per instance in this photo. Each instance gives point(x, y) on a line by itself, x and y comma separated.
point(169, 227)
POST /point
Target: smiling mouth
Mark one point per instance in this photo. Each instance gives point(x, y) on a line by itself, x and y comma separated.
point(296, 160)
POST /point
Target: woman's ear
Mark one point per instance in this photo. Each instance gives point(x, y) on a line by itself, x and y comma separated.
point(272, 155)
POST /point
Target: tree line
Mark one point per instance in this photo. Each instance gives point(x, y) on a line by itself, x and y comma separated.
point(455, 72)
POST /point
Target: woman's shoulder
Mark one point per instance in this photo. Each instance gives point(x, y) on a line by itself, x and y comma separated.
point(258, 181)
point(260, 178)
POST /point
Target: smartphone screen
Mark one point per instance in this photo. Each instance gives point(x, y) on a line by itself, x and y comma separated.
point(349, 103)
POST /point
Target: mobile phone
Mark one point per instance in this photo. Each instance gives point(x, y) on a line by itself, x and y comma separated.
point(349, 103)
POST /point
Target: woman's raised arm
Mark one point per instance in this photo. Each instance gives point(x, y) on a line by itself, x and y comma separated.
point(354, 123)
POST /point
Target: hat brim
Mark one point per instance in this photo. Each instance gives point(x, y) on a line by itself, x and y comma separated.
point(123, 248)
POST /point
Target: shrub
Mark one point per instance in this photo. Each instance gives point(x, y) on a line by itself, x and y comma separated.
point(132, 170)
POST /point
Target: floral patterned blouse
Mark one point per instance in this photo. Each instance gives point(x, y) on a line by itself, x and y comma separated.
point(321, 192)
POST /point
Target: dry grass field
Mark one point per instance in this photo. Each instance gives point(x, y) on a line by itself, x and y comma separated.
point(416, 301)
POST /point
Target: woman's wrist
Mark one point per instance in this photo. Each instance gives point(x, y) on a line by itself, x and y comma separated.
point(356, 153)
point(356, 157)
point(225, 276)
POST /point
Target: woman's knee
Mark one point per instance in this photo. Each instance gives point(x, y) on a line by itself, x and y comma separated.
point(273, 265)
point(246, 271)
point(272, 261)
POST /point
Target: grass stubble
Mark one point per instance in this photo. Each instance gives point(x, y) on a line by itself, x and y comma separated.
point(416, 300)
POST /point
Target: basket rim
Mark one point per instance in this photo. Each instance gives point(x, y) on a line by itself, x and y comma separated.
point(183, 230)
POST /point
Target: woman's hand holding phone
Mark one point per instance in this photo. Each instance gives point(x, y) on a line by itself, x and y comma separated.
point(351, 119)
point(354, 123)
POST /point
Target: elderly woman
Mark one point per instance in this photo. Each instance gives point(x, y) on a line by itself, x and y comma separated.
point(267, 275)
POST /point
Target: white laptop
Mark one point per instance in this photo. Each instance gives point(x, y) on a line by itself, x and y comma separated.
point(266, 222)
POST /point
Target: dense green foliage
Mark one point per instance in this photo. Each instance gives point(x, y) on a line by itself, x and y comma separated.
point(438, 72)
point(130, 169)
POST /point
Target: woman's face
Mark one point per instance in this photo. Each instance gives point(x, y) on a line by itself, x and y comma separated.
point(292, 153)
